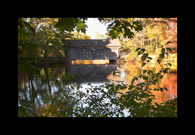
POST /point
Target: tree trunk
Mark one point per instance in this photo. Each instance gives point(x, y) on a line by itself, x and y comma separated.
point(47, 77)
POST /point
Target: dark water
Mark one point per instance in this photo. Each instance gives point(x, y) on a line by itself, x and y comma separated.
point(47, 93)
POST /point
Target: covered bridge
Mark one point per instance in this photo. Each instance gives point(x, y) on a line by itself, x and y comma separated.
point(89, 49)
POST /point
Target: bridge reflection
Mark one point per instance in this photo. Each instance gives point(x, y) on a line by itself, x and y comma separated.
point(91, 73)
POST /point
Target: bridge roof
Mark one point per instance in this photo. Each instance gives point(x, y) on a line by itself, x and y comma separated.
point(93, 42)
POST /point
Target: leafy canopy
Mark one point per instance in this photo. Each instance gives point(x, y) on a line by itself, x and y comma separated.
point(69, 24)
point(122, 27)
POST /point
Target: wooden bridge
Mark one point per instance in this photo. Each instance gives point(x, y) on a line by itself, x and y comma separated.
point(89, 49)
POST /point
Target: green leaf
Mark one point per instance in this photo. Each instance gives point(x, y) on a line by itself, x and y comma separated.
point(114, 73)
point(166, 70)
point(68, 24)
point(161, 77)
point(159, 61)
point(81, 26)
point(150, 72)
point(155, 89)
point(144, 57)
point(162, 56)
point(137, 26)
point(161, 89)
point(163, 50)
point(143, 64)
point(130, 87)
point(144, 71)
point(155, 81)
point(132, 81)
point(128, 33)
point(139, 53)
point(143, 49)
point(145, 77)
point(137, 49)
point(168, 42)
point(157, 75)
point(169, 64)
point(135, 78)
point(169, 49)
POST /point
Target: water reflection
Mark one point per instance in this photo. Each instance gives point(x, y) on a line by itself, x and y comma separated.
point(169, 81)
point(91, 73)
point(47, 90)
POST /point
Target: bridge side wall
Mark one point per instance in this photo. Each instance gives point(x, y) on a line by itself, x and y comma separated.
point(92, 53)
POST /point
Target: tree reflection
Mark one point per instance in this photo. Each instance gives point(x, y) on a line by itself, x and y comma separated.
point(67, 99)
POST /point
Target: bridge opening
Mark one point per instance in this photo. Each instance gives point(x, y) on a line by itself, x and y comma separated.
point(90, 62)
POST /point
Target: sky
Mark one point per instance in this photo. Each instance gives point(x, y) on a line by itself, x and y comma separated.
point(95, 26)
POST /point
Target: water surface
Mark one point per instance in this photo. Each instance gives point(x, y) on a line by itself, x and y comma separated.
point(38, 91)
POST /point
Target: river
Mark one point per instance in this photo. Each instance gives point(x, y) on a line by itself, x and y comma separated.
point(36, 91)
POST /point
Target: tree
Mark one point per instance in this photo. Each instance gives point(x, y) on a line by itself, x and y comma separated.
point(78, 35)
point(98, 36)
point(45, 35)
point(121, 27)
point(69, 24)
